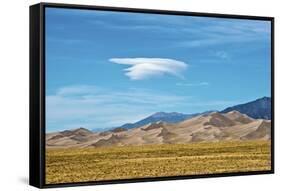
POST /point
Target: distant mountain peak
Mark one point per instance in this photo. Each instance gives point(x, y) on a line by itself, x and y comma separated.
point(163, 114)
point(165, 117)
point(257, 109)
point(264, 98)
point(159, 114)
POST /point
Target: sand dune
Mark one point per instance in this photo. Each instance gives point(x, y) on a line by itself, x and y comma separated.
point(212, 127)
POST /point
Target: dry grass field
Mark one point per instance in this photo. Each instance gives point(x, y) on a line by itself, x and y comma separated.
point(67, 165)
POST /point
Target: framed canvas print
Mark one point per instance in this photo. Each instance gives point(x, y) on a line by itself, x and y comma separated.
point(126, 95)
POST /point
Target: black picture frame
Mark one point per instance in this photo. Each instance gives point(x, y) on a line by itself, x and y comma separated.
point(37, 93)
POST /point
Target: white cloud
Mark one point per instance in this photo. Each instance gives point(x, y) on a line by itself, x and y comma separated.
point(143, 68)
point(193, 84)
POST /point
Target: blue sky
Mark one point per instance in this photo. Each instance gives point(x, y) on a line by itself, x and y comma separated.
point(104, 69)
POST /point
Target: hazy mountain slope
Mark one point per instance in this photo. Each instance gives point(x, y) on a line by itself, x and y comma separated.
point(172, 117)
point(258, 109)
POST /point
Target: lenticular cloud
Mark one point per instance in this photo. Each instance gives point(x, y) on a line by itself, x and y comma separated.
point(143, 68)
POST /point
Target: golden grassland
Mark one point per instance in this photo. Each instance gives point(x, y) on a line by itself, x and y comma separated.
point(107, 163)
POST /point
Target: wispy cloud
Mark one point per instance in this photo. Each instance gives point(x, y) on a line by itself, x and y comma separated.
point(143, 68)
point(75, 90)
point(221, 54)
point(217, 32)
point(189, 32)
point(213, 104)
point(65, 40)
point(193, 84)
point(192, 31)
point(100, 108)
point(132, 27)
point(216, 39)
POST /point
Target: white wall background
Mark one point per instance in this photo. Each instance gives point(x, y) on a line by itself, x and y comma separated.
point(14, 87)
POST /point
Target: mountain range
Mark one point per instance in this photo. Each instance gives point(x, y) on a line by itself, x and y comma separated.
point(210, 127)
point(257, 109)
point(172, 117)
point(233, 123)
